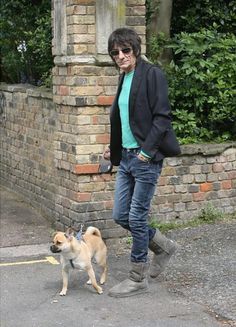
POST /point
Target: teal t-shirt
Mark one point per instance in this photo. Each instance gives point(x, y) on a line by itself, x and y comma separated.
point(128, 139)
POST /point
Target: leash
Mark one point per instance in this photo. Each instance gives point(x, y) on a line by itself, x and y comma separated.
point(79, 237)
point(71, 263)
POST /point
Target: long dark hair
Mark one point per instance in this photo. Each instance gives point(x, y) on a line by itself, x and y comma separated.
point(125, 37)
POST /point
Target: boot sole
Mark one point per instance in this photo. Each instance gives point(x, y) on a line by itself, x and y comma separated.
point(143, 291)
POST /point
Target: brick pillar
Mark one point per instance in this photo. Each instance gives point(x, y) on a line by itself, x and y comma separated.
point(84, 84)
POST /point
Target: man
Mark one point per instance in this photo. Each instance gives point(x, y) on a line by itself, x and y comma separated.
point(141, 136)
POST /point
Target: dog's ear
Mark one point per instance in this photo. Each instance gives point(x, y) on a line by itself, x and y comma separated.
point(69, 233)
point(53, 234)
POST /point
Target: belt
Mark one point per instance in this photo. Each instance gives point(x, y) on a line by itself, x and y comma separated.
point(133, 150)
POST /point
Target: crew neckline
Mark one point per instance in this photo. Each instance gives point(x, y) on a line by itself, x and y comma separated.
point(130, 73)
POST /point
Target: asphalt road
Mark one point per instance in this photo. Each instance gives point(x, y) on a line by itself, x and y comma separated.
point(197, 290)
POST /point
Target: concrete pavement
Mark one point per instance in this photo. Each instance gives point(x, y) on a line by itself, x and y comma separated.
point(30, 283)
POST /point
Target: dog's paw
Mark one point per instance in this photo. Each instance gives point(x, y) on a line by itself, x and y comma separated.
point(63, 293)
point(100, 290)
point(102, 281)
point(89, 282)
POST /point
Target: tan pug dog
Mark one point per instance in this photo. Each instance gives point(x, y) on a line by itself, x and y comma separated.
point(79, 253)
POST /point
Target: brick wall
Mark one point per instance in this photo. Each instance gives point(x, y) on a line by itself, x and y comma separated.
point(52, 143)
point(84, 84)
point(84, 78)
point(28, 125)
point(202, 175)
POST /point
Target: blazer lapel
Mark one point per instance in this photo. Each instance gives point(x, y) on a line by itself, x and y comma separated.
point(138, 76)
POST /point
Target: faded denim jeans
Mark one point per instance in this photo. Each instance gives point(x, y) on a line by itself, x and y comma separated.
point(136, 181)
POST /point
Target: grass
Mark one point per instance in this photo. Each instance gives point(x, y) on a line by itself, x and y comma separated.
point(208, 215)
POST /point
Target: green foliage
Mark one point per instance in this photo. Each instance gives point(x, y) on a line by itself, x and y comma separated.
point(157, 43)
point(25, 40)
point(151, 8)
point(202, 74)
point(208, 215)
point(192, 16)
point(202, 84)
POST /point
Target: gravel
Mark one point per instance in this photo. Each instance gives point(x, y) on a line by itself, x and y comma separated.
point(204, 268)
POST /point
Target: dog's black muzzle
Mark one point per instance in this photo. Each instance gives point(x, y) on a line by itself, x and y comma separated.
point(54, 249)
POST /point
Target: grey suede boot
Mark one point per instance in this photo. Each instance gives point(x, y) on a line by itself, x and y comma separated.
point(137, 282)
point(163, 249)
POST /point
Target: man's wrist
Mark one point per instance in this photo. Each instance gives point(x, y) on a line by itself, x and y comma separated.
point(145, 154)
point(143, 157)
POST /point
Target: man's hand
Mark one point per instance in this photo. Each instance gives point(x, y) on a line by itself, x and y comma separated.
point(143, 158)
point(107, 154)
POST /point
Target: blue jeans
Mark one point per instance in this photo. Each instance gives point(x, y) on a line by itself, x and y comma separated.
point(135, 186)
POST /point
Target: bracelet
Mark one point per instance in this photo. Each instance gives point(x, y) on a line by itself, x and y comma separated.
point(143, 158)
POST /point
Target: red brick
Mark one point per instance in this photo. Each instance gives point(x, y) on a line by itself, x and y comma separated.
point(232, 174)
point(83, 197)
point(217, 167)
point(86, 169)
point(63, 90)
point(162, 181)
point(225, 185)
point(105, 100)
point(95, 120)
point(103, 139)
point(108, 204)
point(80, 196)
point(200, 196)
point(205, 187)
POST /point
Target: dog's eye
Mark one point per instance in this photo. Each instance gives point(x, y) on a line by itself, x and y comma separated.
point(59, 243)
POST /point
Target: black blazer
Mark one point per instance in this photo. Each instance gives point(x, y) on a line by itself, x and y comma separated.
point(149, 115)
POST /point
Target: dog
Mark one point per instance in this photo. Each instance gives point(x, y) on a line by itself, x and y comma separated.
point(78, 253)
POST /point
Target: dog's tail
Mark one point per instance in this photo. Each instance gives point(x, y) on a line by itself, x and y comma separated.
point(93, 231)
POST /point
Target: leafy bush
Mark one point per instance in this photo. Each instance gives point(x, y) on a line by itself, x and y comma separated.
point(193, 16)
point(202, 75)
point(202, 84)
point(25, 40)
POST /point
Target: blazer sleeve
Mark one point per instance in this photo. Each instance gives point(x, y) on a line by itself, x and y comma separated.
point(157, 90)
